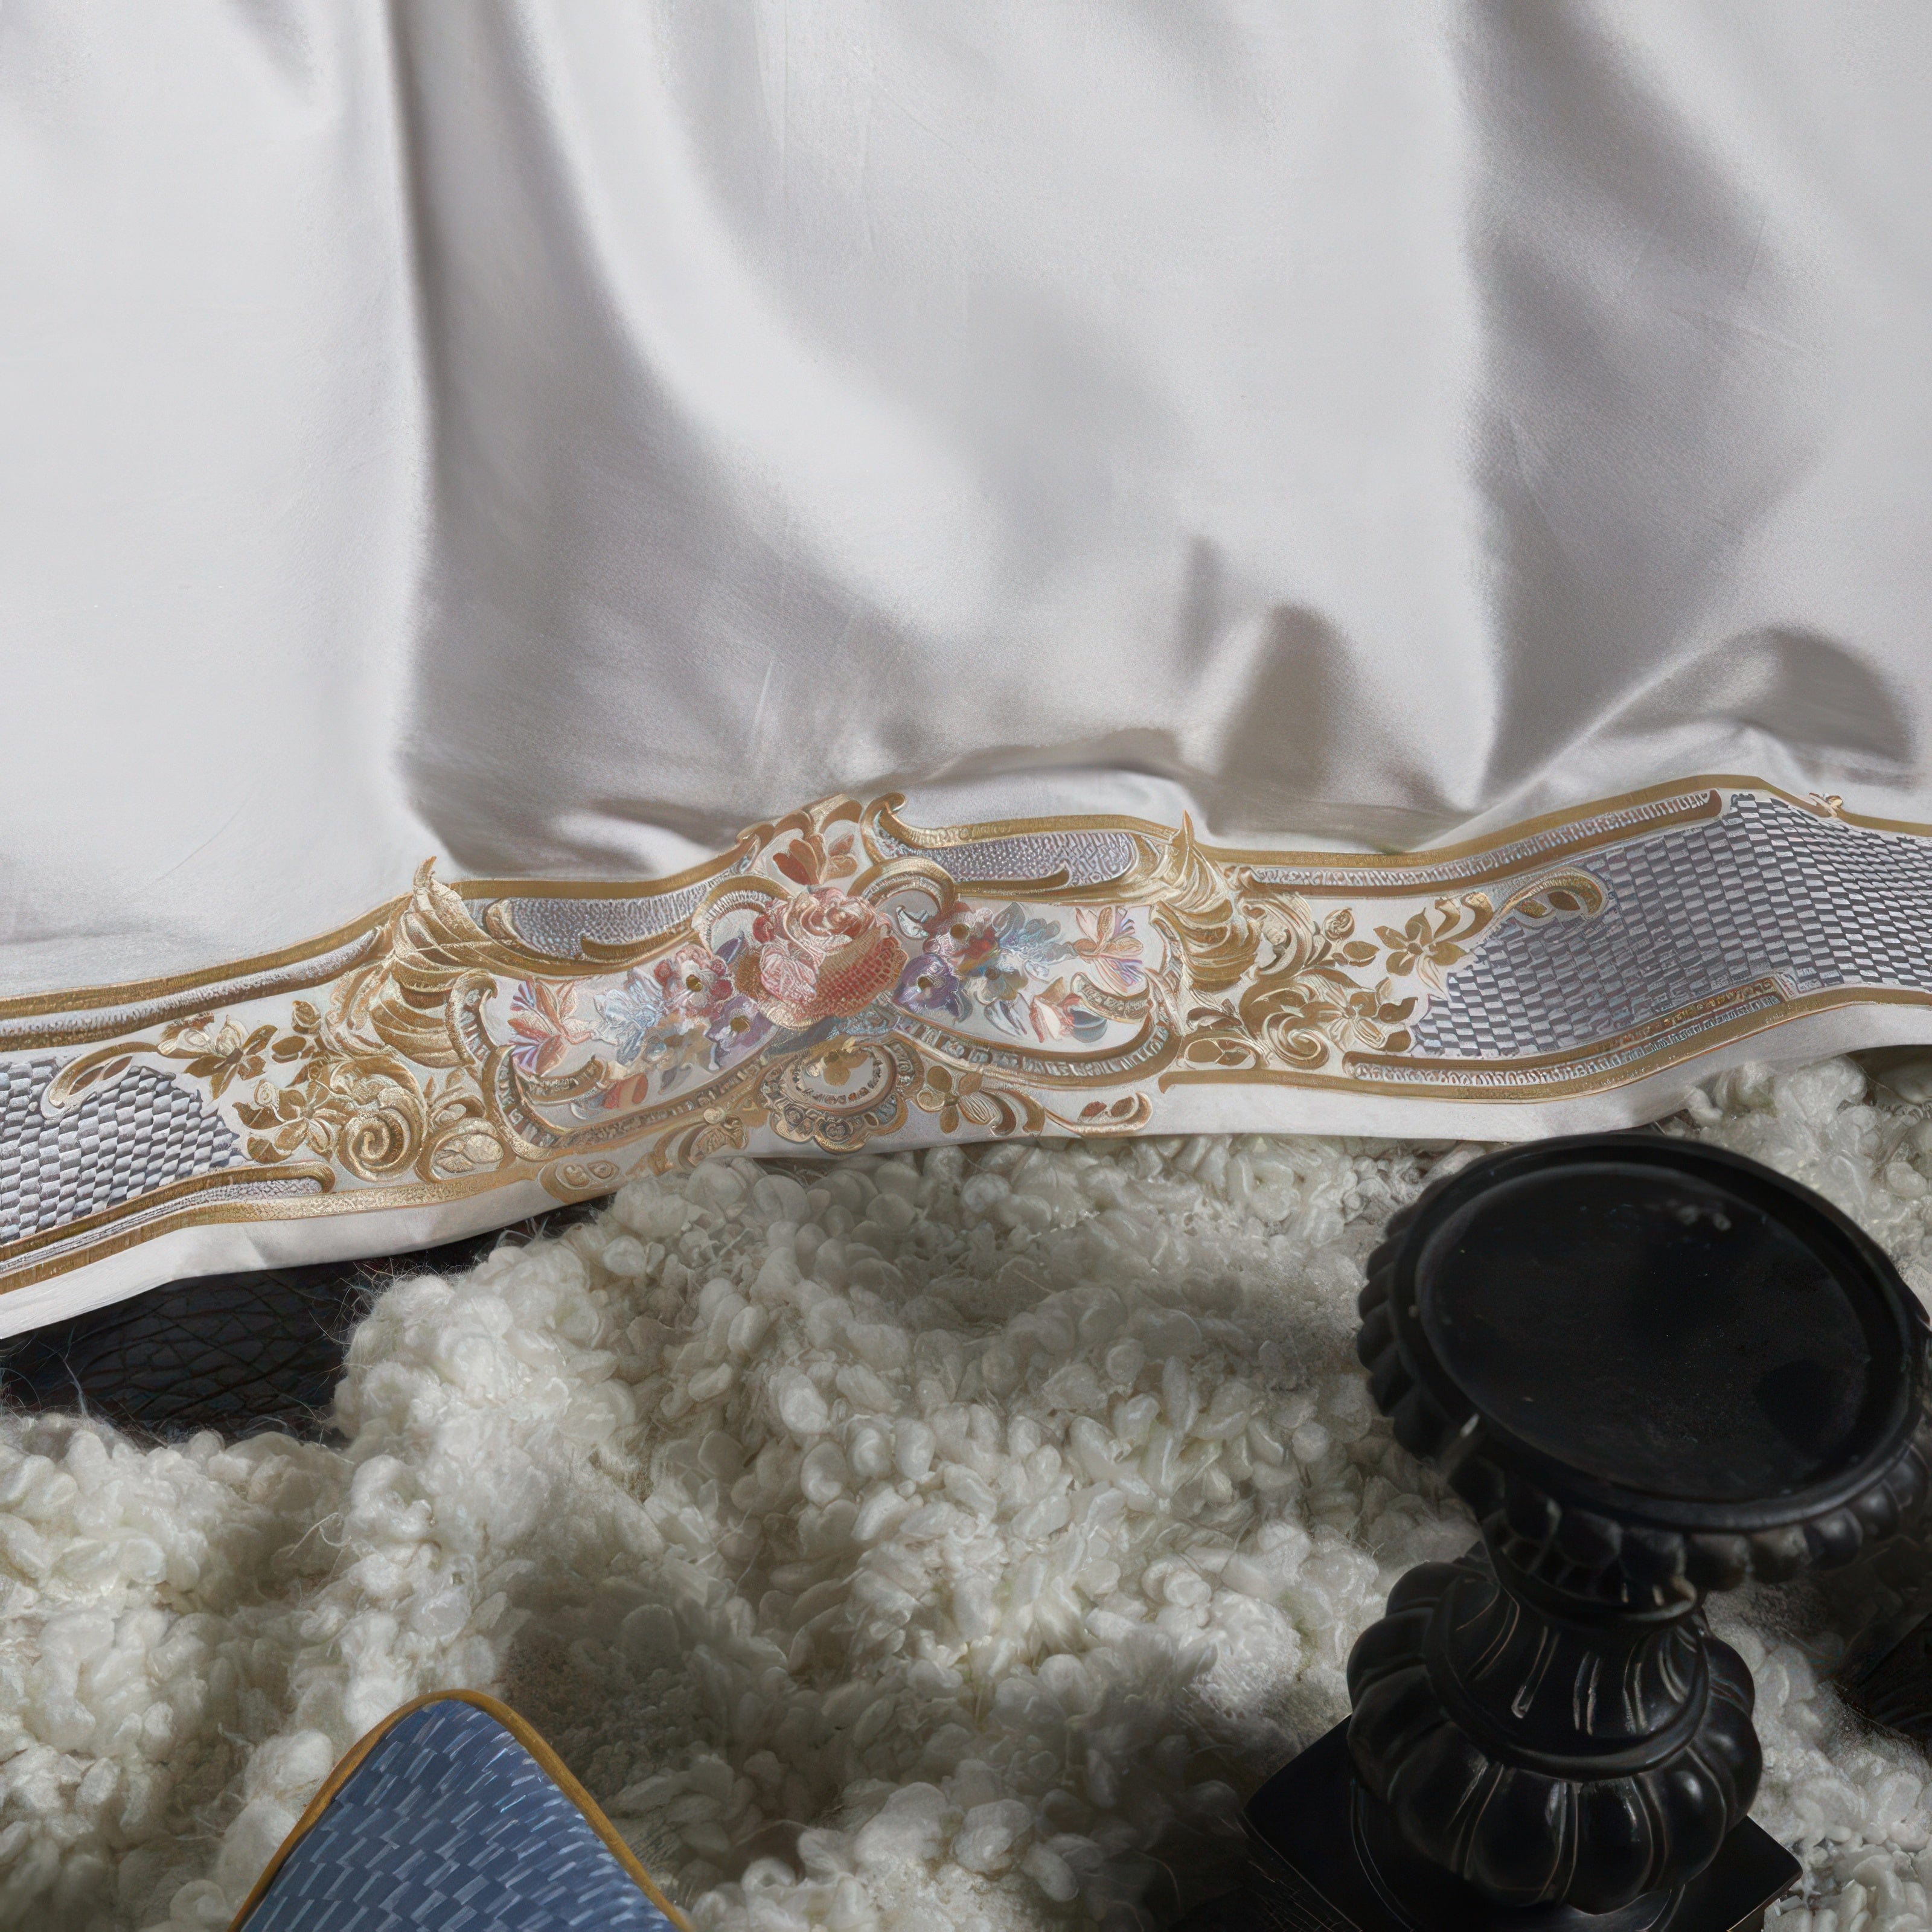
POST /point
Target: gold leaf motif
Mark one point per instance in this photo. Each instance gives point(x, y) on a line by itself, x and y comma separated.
point(92, 1072)
point(404, 996)
point(1301, 998)
point(580, 1180)
point(1570, 890)
point(716, 1132)
point(965, 1096)
point(1196, 902)
point(1127, 1115)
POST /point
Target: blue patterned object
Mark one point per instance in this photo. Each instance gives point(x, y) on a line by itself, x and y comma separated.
point(449, 1824)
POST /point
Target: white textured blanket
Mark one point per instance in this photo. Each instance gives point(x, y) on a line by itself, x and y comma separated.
point(1000, 1521)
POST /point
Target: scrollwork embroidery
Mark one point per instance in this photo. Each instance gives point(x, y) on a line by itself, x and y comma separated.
point(828, 987)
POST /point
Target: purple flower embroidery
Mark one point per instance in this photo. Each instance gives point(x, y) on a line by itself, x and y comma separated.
point(997, 957)
point(735, 1028)
point(928, 985)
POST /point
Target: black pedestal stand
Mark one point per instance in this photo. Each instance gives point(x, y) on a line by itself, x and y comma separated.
point(1653, 1369)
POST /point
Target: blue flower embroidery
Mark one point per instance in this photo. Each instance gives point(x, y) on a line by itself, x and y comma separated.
point(626, 1014)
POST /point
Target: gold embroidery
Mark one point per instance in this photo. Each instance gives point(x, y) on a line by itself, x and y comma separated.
point(832, 985)
point(412, 1066)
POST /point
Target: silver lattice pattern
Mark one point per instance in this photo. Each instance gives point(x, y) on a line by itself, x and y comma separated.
point(559, 925)
point(142, 1132)
point(1766, 889)
point(1336, 875)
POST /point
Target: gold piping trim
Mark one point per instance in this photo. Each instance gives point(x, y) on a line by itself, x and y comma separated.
point(1696, 810)
point(1424, 856)
point(526, 1735)
point(329, 966)
point(600, 888)
point(172, 1190)
point(280, 1207)
point(135, 992)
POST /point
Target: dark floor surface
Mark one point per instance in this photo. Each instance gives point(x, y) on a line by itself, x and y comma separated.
point(238, 1353)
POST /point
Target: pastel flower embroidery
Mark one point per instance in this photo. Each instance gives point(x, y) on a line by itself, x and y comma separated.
point(1109, 949)
point(928, 985)
point(1058, 1014)
point(812, 859)
point(960, 939)
point(671, 1053)
point(543, 1016)
point(818, 955)
point(735, 1027)
point(694, 980)
point(626, 1014)
point(997, 959)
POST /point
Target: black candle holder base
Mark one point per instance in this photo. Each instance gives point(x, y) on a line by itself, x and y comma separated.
point(1315, 1817)
point(1652, 1370)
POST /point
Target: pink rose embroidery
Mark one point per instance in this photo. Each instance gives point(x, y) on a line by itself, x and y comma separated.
point(818, 955)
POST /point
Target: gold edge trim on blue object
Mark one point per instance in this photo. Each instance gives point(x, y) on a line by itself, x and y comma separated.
point(525, 1734)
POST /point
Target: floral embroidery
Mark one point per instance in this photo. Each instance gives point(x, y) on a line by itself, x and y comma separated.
point(1109, 949)
point(543, 1016)
point(997, 961)
point(832, 979)
point(694, 980)
point(626, 1014)
point(928, 985)
point(820, 955)
point(814, 859)
point(1057, 1013)
point(966, 1099)
point(674, 1054)
point(219, 1053)
point(735, 1027)
point(1425, 946)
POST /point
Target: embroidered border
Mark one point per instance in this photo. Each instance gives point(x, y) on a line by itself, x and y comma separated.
point(841, 978)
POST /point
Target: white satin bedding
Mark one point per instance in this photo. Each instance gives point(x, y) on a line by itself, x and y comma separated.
point(552, 437)
point(549, 438)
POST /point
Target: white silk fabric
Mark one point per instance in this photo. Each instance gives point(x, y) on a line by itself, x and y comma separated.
point(552, 437)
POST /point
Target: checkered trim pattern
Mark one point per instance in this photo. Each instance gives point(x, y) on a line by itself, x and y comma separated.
point(1766, 889)
point(142, 1133)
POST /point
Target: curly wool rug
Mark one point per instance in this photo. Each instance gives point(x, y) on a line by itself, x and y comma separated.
point(899, 1542)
